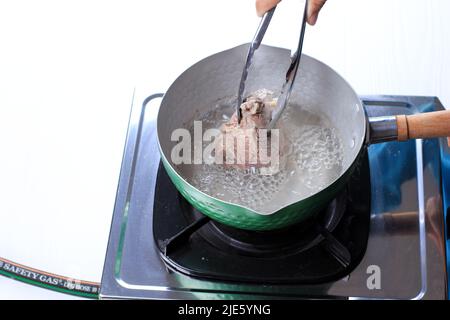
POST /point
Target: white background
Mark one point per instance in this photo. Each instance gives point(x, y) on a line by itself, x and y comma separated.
point(67, 73)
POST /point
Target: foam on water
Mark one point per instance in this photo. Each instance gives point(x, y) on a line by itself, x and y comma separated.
point(314, 160)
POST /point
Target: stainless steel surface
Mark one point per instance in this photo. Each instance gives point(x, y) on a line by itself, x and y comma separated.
point(410, 256)
point(291, 74)
point(383, 129)
point(254, 45)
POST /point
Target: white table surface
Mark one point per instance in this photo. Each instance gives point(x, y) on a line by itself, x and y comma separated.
point(67, 74)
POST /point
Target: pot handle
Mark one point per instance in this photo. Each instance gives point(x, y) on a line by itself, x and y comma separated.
point(406, 127)
point(424, 125)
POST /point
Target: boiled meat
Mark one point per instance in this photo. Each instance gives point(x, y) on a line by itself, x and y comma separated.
point(249, 144)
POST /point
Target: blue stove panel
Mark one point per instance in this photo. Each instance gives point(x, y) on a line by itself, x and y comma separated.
point(382, 154)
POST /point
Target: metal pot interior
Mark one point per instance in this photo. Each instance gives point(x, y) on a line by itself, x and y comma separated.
point(318, 89)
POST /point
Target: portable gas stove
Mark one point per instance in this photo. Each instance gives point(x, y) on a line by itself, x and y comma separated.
point(384, 237)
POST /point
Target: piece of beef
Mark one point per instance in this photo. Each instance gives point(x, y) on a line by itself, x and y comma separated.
point(241, 145)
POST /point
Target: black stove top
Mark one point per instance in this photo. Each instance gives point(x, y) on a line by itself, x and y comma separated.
point(322, 249)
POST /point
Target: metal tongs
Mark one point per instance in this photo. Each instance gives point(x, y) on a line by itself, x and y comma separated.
point(290, 75)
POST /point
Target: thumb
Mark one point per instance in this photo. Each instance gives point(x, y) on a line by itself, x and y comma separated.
point(262, 6)
point(314, 9)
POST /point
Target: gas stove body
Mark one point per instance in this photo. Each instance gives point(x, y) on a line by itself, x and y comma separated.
point(405, 256)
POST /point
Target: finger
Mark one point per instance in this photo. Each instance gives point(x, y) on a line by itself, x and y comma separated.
point(313, 10)
point(262, 6)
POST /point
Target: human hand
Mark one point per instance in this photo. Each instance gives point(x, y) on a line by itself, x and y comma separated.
point(314, 6)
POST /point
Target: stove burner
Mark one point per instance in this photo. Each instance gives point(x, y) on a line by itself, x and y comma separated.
point(276, 243)
point(324, 248)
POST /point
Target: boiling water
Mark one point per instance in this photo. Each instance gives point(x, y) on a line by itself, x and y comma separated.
point(313, 162)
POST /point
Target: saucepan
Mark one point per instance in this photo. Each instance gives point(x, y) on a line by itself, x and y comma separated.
point(318, 87)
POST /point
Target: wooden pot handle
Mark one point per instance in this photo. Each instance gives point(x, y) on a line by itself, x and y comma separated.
point(424, 125)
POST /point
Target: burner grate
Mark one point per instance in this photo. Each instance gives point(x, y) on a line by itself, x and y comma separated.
point(326, 247)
